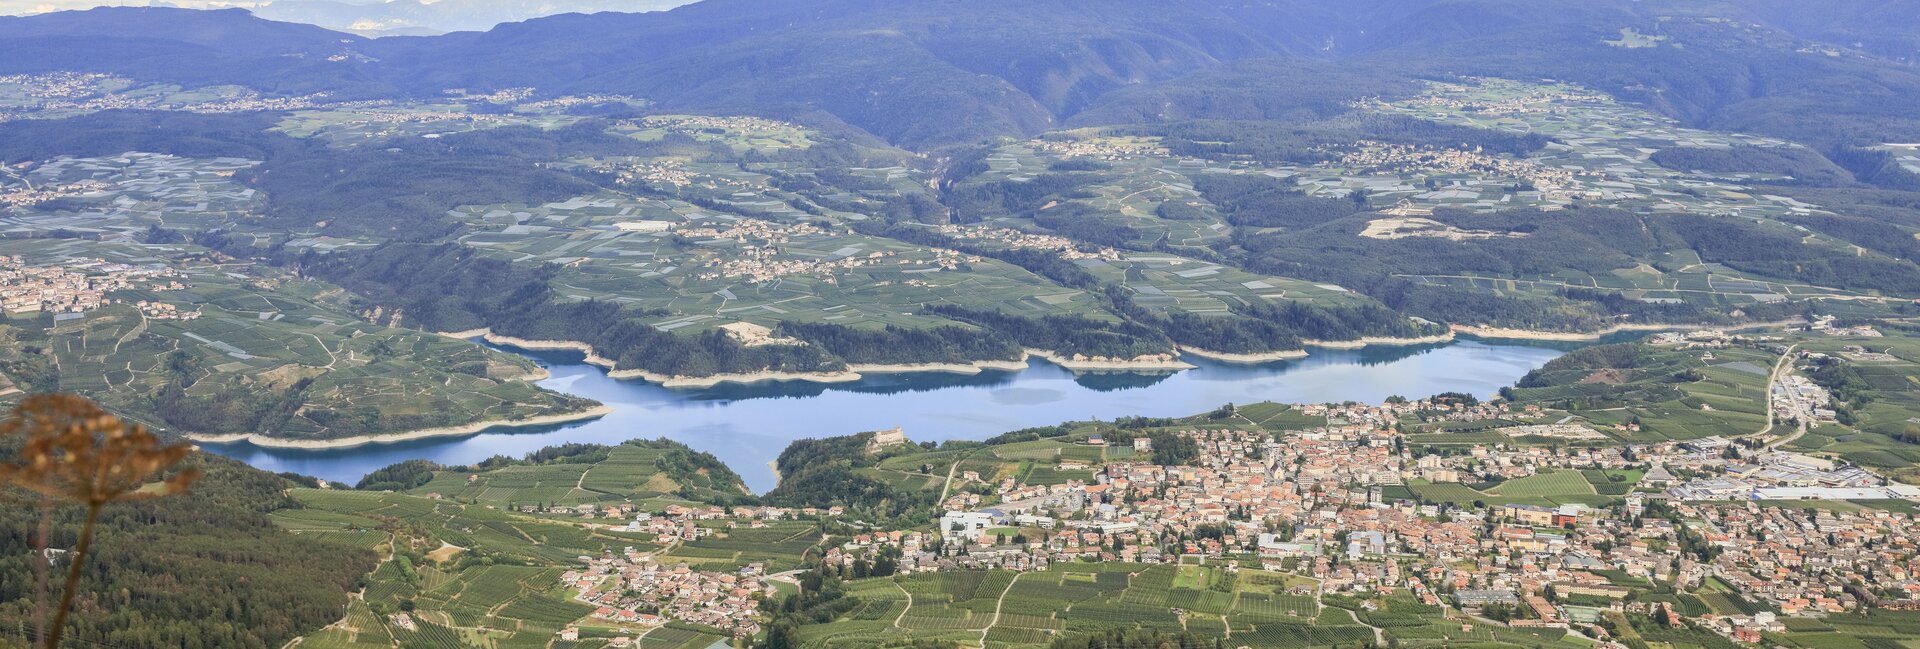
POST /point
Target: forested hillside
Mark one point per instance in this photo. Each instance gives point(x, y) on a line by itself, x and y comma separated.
point(209, 569)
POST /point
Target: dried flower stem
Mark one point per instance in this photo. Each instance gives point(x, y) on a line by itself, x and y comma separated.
point(72, 587)
point(77, 453)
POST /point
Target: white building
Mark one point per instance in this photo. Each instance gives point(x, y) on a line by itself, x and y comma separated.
point(968, 525)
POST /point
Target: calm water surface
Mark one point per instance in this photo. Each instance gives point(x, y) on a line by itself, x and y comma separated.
point(748, 425)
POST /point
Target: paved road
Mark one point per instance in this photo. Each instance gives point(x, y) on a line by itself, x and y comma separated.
point(1779, 369)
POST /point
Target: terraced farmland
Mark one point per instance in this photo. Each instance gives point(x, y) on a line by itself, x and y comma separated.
point(713, 268)
point(1036, 606)
point(265, 354)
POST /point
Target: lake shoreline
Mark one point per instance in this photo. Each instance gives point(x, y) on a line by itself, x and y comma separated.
point(854, 371)
point(1504, 333)
point(1152, 363)
point(1384, 341)
point(1246, 359)
point(746, 426)
point(857, 371)
point(462, 430)
point(1309, 345)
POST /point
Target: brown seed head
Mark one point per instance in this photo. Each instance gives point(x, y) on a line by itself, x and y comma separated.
point(76, 452)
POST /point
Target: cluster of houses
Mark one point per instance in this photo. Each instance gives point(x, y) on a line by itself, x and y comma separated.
point(57, 85)
point(1313, 502)
point(768, 263)
point(76, 286)
point(745, 231)
point(1542, 99)
point(631, 588)
point(1331, 503)
point(252, 102)
point(700, 124)
point(668, 173)
point(1696, 339)
point(25, 196)
point(500, 96)
point(1776, 475)
point(62, 91)
point(760, 259)
point(1012, 238)
point(1831, 326)
point(90, 92)
point(1797, 398)
point(569, 101)
point(1803, 561)
point(672, 514)
point(1353, 418)
point(1409, 159)
point(1104, 148)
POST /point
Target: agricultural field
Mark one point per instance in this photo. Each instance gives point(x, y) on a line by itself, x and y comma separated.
point(57, 95)
point(1613, 482)
point(1886, 373)
point(1907, 154)
point(469, 575)
point(739, 133)
point(124, 195)
point(1256, 608)
point(1721, 395)
point(1037, 461)
point(1167, 281)
point(711, 268)
point(1601, 152)
point(1138, 174)
point(497, 532)
point(344, 126)
point(1272, 611)
point(635, 472)
point(1547, 489)
point(1687, 276)
point(1276, 416)
point(1557, 487)
point(1449, 492)
point(671, 636)
point(779, 546)
point(229, 352)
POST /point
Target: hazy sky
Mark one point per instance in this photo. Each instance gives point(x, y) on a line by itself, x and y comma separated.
point(43, 6)
point(371, 17)
point(16, 7)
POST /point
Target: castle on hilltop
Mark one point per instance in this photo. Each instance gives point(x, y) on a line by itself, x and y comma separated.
point(885, 438)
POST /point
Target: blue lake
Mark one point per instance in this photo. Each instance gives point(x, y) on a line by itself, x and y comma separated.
point(748, 425)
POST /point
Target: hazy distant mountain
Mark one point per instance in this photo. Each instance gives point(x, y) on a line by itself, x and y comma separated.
point(929, 73)
point(401, 17)
point(374, 17)
point(189, 48)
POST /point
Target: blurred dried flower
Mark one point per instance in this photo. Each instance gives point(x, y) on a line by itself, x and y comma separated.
point(75, 452)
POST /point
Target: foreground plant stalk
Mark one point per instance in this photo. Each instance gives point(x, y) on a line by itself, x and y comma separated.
point(76, 453)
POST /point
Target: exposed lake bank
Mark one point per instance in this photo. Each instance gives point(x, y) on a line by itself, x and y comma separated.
point(856, 371)
point(1505, 333)
point(462, 430)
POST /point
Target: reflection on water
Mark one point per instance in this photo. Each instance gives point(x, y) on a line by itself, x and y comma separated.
point(748, 425)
